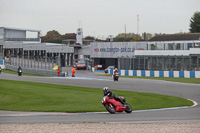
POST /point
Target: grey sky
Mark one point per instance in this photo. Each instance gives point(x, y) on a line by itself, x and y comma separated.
point(99, 17)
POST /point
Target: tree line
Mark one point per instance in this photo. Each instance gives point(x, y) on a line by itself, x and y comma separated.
point(55, 37)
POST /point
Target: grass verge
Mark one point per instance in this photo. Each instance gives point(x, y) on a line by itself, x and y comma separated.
point(31, 96)
point(183, 80)
point(25, 74)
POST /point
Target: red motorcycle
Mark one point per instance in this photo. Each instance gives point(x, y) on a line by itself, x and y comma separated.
point(116, 76)
point(113, 105)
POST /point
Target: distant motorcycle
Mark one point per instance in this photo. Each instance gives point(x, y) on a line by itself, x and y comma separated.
point(113, 105)
point(116, 76)
point(20, 72)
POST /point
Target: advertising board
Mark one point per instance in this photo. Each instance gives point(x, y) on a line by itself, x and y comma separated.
point(114, 49)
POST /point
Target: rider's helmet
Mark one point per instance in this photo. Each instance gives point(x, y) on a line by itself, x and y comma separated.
point(105, 90)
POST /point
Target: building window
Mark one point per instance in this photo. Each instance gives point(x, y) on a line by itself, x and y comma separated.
point(153, 47)
point(76, 56)
point(170, 46)
point(160, 46)
point(178, 46)
point(189, 45)
point(197, 44)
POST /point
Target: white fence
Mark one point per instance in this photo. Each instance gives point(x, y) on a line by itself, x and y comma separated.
point(150, 73)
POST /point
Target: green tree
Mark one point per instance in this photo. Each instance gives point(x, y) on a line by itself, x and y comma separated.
point(128, 37)
point(53, 33)
point(52, 37)
point(195, 23)
point(68, 36)
point(55, 37)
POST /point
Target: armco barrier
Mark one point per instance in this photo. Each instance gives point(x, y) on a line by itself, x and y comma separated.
point(1, 62)
point(150, 73)
point(2, 65)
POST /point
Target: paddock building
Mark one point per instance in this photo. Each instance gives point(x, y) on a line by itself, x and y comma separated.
point(175, 52)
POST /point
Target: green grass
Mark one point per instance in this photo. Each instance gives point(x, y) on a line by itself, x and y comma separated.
point(25, 74)
point(30, 96)
point(183, 80)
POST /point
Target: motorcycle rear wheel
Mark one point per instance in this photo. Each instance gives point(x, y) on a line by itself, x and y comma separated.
point(110, 108)
point(128, 108)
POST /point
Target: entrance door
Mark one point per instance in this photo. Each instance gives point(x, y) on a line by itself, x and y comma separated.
point(62, 60)
point(102, 61)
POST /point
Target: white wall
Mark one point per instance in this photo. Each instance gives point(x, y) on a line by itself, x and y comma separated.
point(164, 52)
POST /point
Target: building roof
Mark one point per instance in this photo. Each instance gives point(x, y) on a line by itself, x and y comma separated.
point(176, 37)
point(11, 28)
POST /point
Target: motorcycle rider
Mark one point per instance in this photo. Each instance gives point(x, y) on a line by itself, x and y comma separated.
point(111, 94)
point(19, 71)
point(115, 71)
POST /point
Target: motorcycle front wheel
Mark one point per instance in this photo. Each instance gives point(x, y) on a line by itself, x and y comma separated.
point(128, 108)
point(110, 108)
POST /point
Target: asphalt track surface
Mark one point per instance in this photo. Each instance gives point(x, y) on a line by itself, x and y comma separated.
point(89, 79)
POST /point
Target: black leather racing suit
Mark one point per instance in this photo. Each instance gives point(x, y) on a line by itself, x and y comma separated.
point(112, 95)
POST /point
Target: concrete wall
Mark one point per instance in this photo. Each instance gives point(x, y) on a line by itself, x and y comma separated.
point(83, 51)
point(12, 45)
point(1, 35)
point(130, 49)
point(148, 73)
point(168, 52)
point(59, 49)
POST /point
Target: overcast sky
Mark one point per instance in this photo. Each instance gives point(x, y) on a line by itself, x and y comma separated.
point(99, 17)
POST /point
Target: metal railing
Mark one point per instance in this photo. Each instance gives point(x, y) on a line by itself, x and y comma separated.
point(163, 63)
point(33, 65)
point(32, 71)
point(1, 55)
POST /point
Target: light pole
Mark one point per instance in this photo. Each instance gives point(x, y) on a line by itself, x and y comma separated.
point(138, 24)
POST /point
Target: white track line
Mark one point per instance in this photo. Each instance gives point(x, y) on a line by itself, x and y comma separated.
point(162, 109)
